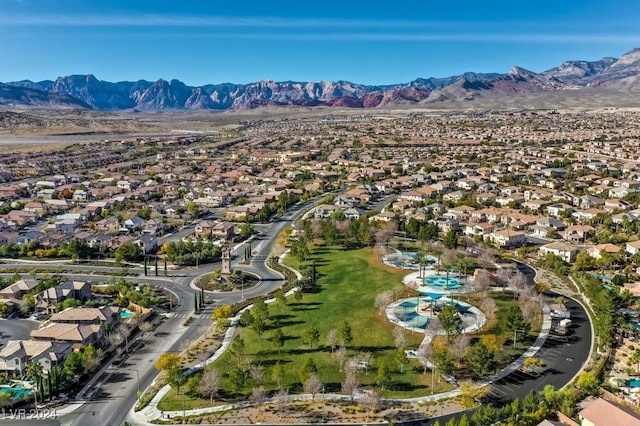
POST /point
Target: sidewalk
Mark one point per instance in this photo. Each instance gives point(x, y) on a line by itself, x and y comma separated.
point(151, 412)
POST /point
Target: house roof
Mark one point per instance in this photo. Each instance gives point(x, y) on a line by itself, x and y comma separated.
point(103, 313)
point(602, 412)
point(66, 332)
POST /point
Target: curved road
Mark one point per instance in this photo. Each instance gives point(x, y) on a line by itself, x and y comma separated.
point(116, 393)
point(564, 357)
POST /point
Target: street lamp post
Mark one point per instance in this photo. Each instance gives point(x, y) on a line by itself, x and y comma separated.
point(323, 403)
point(138, 377)
point(515, 334)
point(433, 377)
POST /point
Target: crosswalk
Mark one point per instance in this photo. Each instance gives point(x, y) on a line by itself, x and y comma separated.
point(184, 315)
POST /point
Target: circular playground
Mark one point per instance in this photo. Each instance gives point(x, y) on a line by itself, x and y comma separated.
point(436, 288)
point(415, 313)
point(429, 275)
point(405, 260)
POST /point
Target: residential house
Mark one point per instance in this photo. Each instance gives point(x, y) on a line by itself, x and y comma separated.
point(324, 211)
point(353, 213)
point(104, 315)
point(552, 223)
point(109, 225)
point(8, 238)
point(132, 224)
point(18, 289)
point(79, 290)
point(445, 224)
point(601, 412)
point(72, 333)
point(578, 233)
point(147, 243)
point(597, 251)
point(633, 247)
point(565, 251)
point(455, 196)
point(16, 354)
point(204, 228)
point(612, 205)
point(506, 238)
point(558, 209)
point(588, 201)
point(385, 216)
point(223, 230)
point(152, 227)
point(479, 229)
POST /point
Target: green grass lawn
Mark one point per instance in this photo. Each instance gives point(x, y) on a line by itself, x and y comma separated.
point(349, 283)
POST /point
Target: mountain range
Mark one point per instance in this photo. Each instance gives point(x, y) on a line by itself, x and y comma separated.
point(86, 91)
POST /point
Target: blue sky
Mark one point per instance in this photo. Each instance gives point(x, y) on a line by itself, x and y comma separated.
point(201, 41)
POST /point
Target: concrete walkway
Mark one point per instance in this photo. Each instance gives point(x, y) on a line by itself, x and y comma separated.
point(151, 412)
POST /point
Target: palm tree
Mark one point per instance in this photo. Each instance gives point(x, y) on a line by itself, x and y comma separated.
point(58, 377)
point(35, 372)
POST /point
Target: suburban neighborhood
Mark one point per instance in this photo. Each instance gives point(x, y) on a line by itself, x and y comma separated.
point(558, 192)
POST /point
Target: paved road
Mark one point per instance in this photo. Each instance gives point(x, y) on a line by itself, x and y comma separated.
point(563, 356)
point(117, 391)
point(17, 329)
point(564, 359)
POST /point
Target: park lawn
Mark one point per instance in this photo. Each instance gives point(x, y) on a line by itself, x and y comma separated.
point(349, 283)
point(174, 402)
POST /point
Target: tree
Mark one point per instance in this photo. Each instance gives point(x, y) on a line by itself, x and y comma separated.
point(127, 252)
point(383, 375)
point(443, 361)
point(344, 334)
point(256, 372)
point(281, 399)
point(312, 385)
point(341, 355)
point(58, 379)
point(5, 399)
point(236, 377)
point(73, 364)
point(459, 346)
point(332, 338)
point(489, 307)
point(34, 371)
point(245, 230)
point(479, 360)
point(258, 394)
point(401, 359)
point(450, 239)
point(277, 373)
point(260, 314)
point(281, 298)
point(450, 321)
point(310, 336)
point(472, 393)
point(176, 378)
point(279, 339)
point(400, 340)
point(493, 342)
point(168, 361)
point(308, 368)
point(209, 383)
point(483, 279)
point(350, 383)
point(237, 348)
